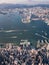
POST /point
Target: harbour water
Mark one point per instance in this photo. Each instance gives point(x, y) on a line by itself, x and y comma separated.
point(12, 30)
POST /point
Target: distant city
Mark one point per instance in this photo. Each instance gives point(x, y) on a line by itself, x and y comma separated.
point(35, 13)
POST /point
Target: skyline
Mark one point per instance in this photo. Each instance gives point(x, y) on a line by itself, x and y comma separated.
point(30, 2)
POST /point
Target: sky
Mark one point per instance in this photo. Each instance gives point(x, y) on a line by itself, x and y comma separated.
point(25, 1)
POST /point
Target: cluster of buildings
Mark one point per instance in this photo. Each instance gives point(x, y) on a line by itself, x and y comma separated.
point(35, 13)
point(25, 54)
point(28, 14)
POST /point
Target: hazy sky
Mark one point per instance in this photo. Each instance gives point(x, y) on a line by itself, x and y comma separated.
point(25, 1)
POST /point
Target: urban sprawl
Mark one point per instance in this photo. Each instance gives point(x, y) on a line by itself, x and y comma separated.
point(25, 54)
point(35, 13)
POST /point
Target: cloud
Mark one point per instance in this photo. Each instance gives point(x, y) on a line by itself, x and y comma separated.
point(25, 1)
point(11, 1)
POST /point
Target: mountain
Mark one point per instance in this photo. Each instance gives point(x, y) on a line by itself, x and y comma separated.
point(7, 6)
point(11, 6)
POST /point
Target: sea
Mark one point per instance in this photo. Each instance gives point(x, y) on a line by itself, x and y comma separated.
point(12, 30)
